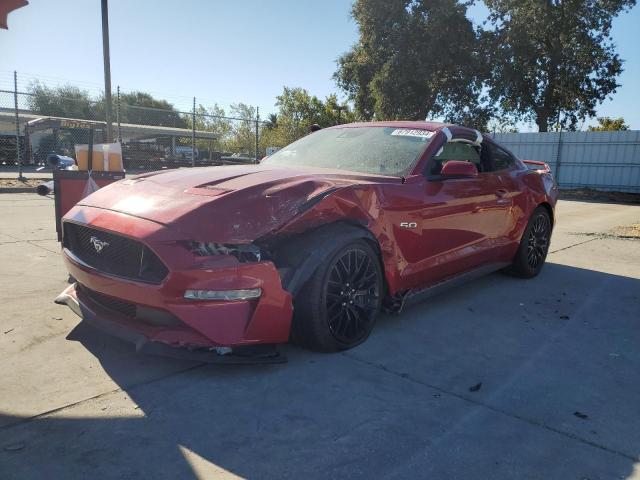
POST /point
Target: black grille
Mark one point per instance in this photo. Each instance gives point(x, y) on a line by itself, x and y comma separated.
point(110, 303)
point(113, 254)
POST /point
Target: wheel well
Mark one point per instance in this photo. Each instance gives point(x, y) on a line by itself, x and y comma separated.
point(547, 206)
point(293, 252)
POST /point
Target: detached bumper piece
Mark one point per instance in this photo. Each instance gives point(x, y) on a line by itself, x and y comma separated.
point(89, 311)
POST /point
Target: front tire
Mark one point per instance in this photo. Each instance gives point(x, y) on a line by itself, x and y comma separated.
point(534, 245)
point(338, 306)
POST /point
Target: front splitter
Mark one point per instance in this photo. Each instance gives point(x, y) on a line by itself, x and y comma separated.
point(244, 355)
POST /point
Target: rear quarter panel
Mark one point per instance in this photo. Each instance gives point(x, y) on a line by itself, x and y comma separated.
point(533, 188)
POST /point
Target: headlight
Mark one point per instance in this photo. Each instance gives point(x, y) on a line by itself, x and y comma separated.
point(244, 253)
point(245, 294)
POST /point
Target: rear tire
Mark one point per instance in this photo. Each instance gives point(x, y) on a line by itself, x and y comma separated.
point(338, 306)
point(534, 246)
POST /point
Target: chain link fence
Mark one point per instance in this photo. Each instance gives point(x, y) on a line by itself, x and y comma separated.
point(154, 134)
point(12, 143)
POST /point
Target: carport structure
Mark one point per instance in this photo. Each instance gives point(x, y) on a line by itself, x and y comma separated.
point(161, 140)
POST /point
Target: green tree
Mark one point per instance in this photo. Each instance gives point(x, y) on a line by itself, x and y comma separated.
point(143, 109)
point(297, 110)
point(72, 102)
point(335, 113)
point(271, 122)
point(219, 124)
point(552, 61)
point(65, 101)
point(607, 124)
point(502, 124)
point(242, 134)
point(415, 59)
point(210, 120)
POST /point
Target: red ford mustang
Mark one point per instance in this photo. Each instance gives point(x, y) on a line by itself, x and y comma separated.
point(309, 245)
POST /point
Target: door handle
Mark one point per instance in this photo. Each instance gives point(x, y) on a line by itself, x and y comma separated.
point(501, 192)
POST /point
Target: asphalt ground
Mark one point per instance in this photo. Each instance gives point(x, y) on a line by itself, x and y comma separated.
point(499, 378)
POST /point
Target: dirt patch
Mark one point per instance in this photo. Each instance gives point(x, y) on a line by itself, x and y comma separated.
point(26, 183)
point(599, 196)
point(627, 231)
point(631, 232)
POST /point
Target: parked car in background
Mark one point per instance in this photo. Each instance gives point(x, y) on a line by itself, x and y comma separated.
point(310, 244)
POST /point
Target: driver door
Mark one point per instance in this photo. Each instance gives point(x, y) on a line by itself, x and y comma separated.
point(460, 218)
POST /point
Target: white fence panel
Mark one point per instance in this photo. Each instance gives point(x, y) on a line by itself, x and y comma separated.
point(600, 160)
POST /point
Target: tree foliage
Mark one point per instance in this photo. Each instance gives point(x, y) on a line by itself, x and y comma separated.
point(608, 124)
point(242, 135)
point(72, 102)
point(209, 120)
point(235, 133)
point(552, 61)
point(143, 109)
point(297, 111)
point(414, 59)
point(65, 101)
point(235, 130)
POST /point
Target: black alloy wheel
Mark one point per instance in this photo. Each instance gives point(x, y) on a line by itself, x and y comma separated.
point(534, 246)
point(352, 296)
point(538, 241)
point(338, 306)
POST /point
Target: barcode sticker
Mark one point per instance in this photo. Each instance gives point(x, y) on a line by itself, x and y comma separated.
point(407, 132)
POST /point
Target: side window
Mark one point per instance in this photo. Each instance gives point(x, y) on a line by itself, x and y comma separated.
point(501, 159)
point(455, 151)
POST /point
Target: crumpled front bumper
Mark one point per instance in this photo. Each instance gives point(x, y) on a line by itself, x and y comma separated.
point(160, 314)
point(142, 336)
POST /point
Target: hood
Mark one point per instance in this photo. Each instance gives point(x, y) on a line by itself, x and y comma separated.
point(230, 204)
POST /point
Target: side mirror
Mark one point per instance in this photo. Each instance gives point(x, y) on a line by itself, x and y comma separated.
point(458, 169)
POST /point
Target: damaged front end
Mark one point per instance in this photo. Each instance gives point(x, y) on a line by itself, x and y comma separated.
point(81, 303)
point(211, 267)
point(147, 284)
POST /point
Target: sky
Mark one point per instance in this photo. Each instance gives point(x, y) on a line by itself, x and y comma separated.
point(219, 51)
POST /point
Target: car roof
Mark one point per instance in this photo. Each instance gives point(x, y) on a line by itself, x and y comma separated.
point(414, 124)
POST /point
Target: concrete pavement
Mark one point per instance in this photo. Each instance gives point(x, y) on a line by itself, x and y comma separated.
point(554, 362)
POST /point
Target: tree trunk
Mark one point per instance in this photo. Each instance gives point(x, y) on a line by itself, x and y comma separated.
point(542, 120)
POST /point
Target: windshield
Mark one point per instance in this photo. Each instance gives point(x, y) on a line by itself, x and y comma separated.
point(377, 150)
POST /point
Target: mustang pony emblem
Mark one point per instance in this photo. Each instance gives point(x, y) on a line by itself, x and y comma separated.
point(98, 244)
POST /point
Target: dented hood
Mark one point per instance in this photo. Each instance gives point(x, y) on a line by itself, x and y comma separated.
point(221, 204)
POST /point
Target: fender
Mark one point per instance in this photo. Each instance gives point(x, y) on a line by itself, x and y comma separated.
point(297, 258)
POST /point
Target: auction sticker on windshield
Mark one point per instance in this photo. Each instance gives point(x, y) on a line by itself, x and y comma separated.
point(407, 132)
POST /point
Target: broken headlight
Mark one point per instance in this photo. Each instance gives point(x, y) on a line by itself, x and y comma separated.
point(244, 253)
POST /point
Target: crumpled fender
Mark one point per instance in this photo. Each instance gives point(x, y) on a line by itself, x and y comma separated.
point(341, 215)
point(300, 256)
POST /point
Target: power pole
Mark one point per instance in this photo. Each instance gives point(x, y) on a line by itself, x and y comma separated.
point(107, 68)
point(193, 134)
point(15, 99)
point(257, 132)
point(118, 114)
